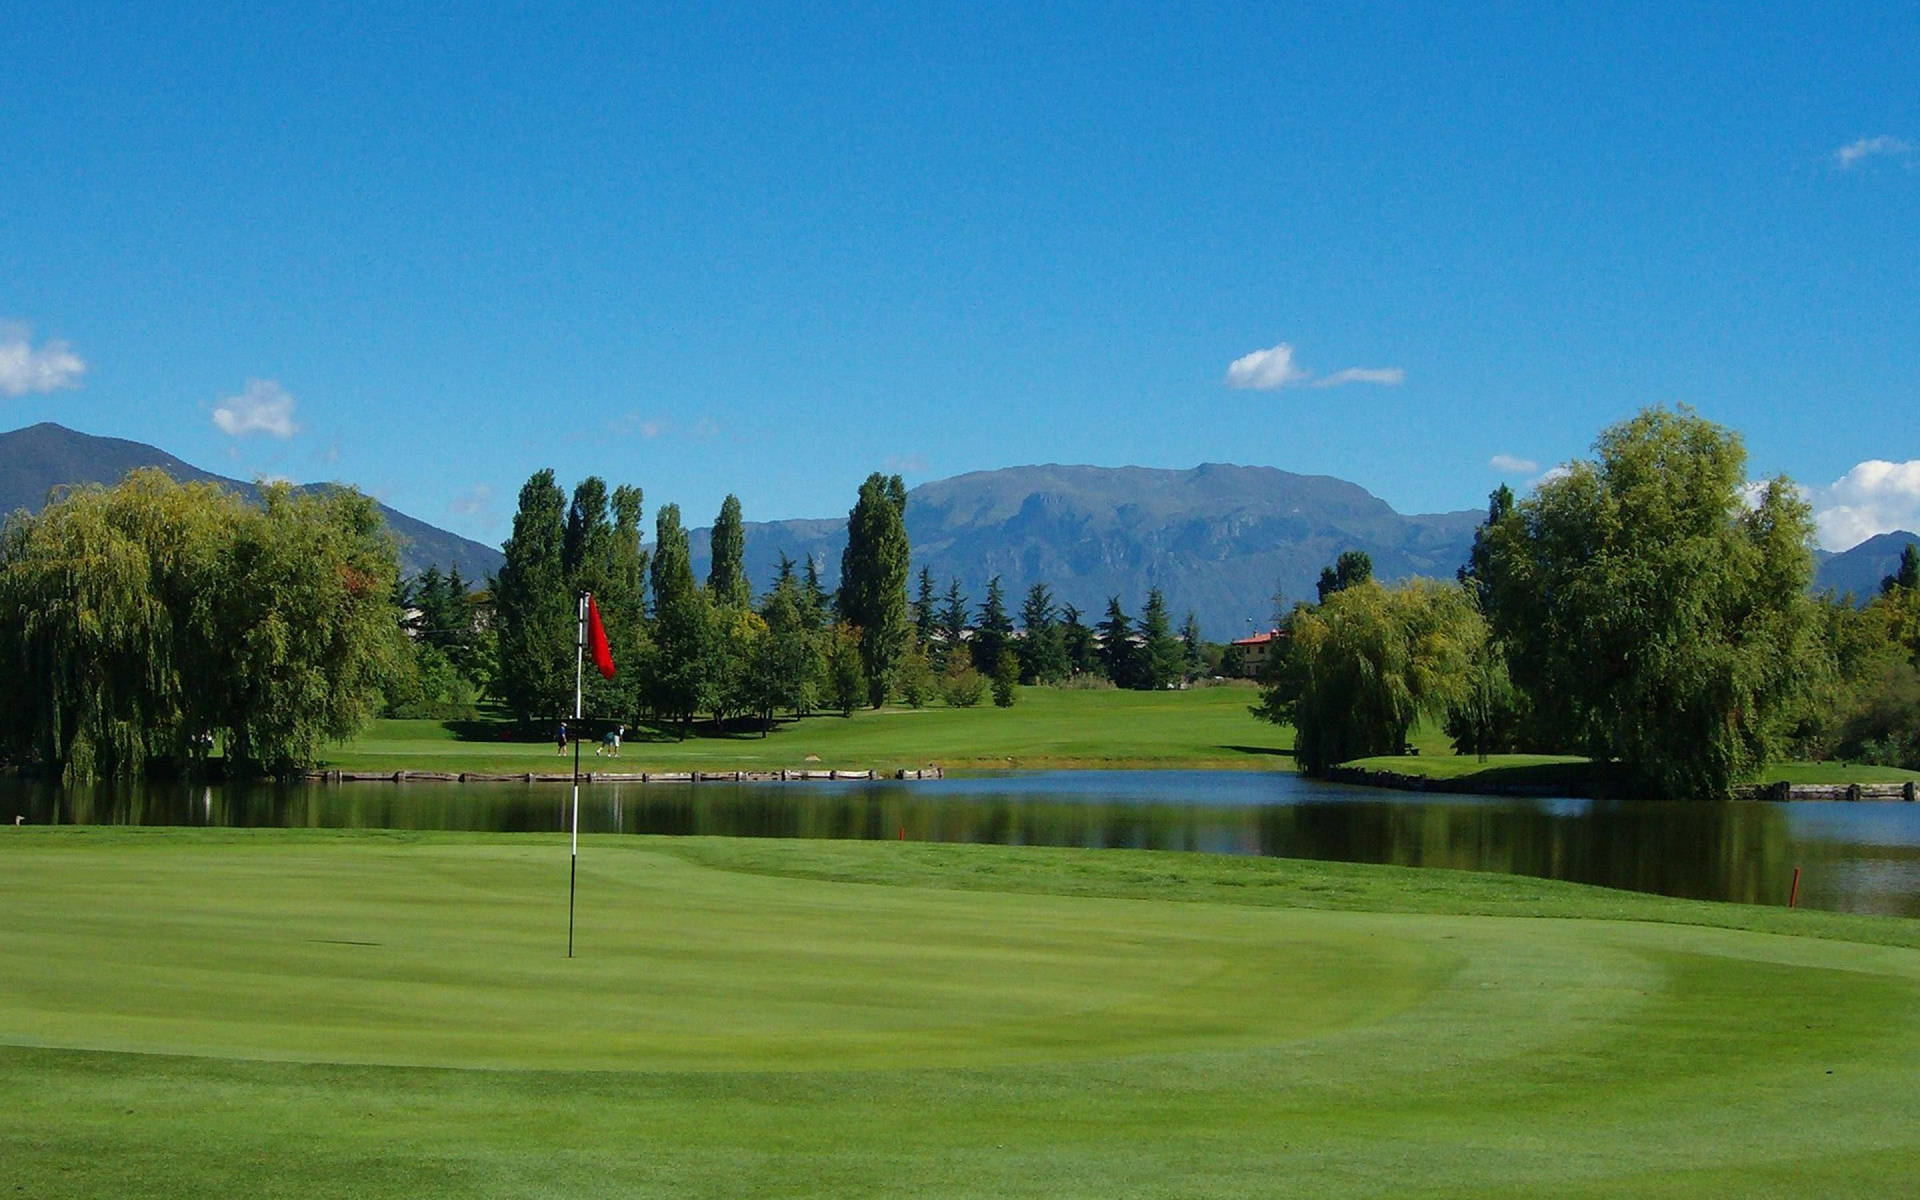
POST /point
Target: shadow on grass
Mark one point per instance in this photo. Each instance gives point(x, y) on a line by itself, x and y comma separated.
point(1269, 751)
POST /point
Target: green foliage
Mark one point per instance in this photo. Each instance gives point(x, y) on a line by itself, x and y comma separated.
point(1163, 658)
point(917, 682)
point(953, 625)
point(533, 611)
point(789, 665)
point(846, 677)
point(1359, 669)
point(139, 622)
point(685, 667)
point(1043, 651)
point(873, 580)
point(1119, 656)
point(1649, 614)
point(926, 608)
point(1006, 674)
point(962, 686)
point(1353, 567)
point(1907, 575)
point(1078, 643)
point(727, 578)
point(1193, 651)
point(993, 630)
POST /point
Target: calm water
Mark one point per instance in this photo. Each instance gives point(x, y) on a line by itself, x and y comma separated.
point(1853, 857)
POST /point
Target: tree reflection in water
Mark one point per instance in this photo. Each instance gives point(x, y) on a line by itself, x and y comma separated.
point(1854, 857)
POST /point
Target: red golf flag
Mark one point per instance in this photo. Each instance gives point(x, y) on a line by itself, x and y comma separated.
point(597, 640)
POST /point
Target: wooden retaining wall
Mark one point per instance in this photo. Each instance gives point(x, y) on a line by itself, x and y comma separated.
point(783, 776)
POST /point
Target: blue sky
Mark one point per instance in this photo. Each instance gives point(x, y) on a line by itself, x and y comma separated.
point(768, 249)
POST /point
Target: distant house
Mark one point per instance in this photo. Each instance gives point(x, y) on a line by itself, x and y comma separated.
point(1255, 650)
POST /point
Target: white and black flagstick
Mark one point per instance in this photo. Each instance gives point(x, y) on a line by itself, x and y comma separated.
point(573, 859)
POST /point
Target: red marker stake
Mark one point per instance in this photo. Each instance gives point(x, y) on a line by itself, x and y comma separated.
point(1793, 894)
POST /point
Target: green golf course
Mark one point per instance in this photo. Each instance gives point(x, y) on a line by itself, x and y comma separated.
point(296, 1013)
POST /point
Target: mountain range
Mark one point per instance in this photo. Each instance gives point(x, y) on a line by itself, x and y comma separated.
point(40, 458)
point(1218, 539)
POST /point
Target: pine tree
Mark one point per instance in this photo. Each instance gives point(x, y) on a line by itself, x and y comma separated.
point(1118, 654)
point(1082, 650)
point(991, 634)
point(1163, 659)
point(925, 608)
point(819, 604)
point(1192, 649)
point(1043, 651)
point(953, 623)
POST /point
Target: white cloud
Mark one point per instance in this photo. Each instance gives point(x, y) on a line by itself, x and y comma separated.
point(265, 407)
point(908, 464)
point(1265, 370)
point(1387, 376)
point(23, 369)
point(472, 502)
point(1273, 368)
point(1550, 475)
point(1876, 496)
point(1854, 152)
point(1507, 464)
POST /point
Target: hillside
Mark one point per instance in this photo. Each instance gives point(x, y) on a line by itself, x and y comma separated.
point(39, 458)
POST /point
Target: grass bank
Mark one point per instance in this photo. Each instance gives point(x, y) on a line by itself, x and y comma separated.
point(1046, 727)
point(1574, 775)
point(266, 1013)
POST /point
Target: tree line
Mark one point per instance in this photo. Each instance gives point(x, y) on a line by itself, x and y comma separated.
point(1648, 609)
point(144, 625)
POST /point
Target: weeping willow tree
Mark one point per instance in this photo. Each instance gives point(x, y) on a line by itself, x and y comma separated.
point(141, 623)
point(1360, 668)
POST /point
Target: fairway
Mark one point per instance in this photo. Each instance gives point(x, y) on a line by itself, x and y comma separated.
point(300, 1014)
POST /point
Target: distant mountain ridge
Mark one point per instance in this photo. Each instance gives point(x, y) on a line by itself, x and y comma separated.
point(1859, 571)
point(1218, 538)
point(39, 458)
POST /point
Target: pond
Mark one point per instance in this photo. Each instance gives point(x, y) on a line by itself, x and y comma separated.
point(1853, 857)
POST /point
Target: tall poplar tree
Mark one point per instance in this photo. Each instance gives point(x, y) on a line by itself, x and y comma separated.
point(873, 579)
point(623, 605)
point(683, 668)
point(727, 577)
point(533, 611)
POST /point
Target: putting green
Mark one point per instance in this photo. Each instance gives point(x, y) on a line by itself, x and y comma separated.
point(308, 1014)
point(454, 955)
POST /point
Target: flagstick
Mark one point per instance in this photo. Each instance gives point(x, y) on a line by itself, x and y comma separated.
point(573, 859)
